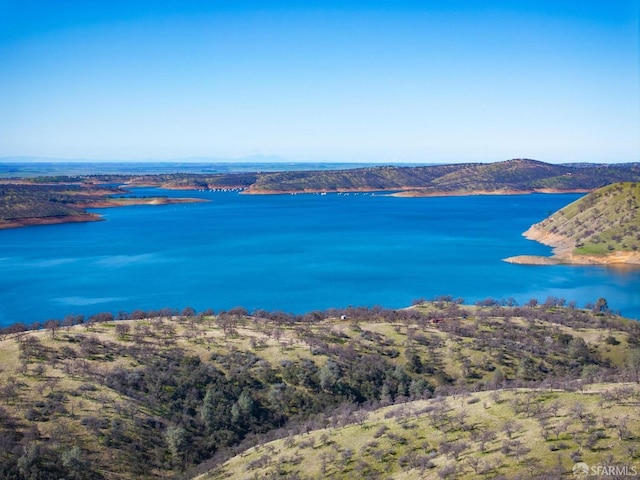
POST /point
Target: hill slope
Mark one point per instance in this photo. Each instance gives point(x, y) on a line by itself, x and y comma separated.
point(152, 397)
point(603, 227)
point(517, 175)
point(521, 433)
point(28, 204)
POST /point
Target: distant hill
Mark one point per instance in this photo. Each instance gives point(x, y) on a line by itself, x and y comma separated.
point(57, 197)
point(602, 227)
point(25, 204)
point(511, 176)
point(371, 178)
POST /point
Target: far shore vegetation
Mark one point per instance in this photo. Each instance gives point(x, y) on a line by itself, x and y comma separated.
point(57, 199)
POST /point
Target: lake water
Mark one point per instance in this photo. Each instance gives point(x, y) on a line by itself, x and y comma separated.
point(295, 253)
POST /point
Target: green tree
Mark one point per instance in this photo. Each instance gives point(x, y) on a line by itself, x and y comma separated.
point(176, 438)
point(244, 408)
point(74, 463)
point(328, 375)
point(29, 462)
point(208, 409)
point(527, 369)
point(579, 350)
point(414, 363)
point(418, 388)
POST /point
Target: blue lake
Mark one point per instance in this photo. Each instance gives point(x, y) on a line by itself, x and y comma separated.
point(295, 253)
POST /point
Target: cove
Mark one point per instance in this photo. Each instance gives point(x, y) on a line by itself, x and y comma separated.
point(295, 253)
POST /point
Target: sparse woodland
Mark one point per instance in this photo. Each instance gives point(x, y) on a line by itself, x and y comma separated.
point(440, 389)
point(604, 221)
point(64, 196)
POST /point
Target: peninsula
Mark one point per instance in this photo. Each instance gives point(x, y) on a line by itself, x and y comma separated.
point(24, 204)
point(602, 228)
point(59, 199)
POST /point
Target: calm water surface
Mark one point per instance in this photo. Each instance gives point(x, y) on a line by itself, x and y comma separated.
point(295, 253)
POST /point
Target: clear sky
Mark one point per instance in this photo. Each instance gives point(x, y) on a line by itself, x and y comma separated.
point(424, 81)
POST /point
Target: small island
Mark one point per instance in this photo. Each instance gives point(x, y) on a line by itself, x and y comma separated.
point(601, 228)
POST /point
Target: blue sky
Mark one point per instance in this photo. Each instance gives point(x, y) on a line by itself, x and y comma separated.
point(429, 81)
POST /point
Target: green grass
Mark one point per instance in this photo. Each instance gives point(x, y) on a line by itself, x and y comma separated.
point(603, 222)
point(461, 350)
point(409, 442)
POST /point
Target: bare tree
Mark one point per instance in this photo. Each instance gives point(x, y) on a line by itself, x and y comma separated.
point(122, 329)
point(52, 326)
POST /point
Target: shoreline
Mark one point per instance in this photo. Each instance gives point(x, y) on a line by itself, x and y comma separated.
point(38, 221)
point(621, 260)
point(532, 260)
point(412, 193)
point(562, 253)
point(129, 201)
point(93, 217)
point(469, 193)
point(249, 191)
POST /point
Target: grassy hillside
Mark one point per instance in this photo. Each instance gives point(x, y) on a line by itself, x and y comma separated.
point(373, 178)
point(157, 396)
point(36, 204)
point(511, 175)
point(518, 174)
point(604, 222)
point(520, 433)
point(30, 201)
point(56, 198)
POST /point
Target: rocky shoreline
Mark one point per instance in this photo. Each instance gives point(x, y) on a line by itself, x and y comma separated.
point(563, 253)
point(532, 260)
point(464, 193)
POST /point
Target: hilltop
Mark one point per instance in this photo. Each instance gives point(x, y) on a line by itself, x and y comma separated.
point(601, 228)
point(158, 393)
point(511, 176)
point(60, 198)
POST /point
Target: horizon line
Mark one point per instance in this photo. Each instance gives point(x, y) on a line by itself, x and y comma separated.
point(268, 158)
